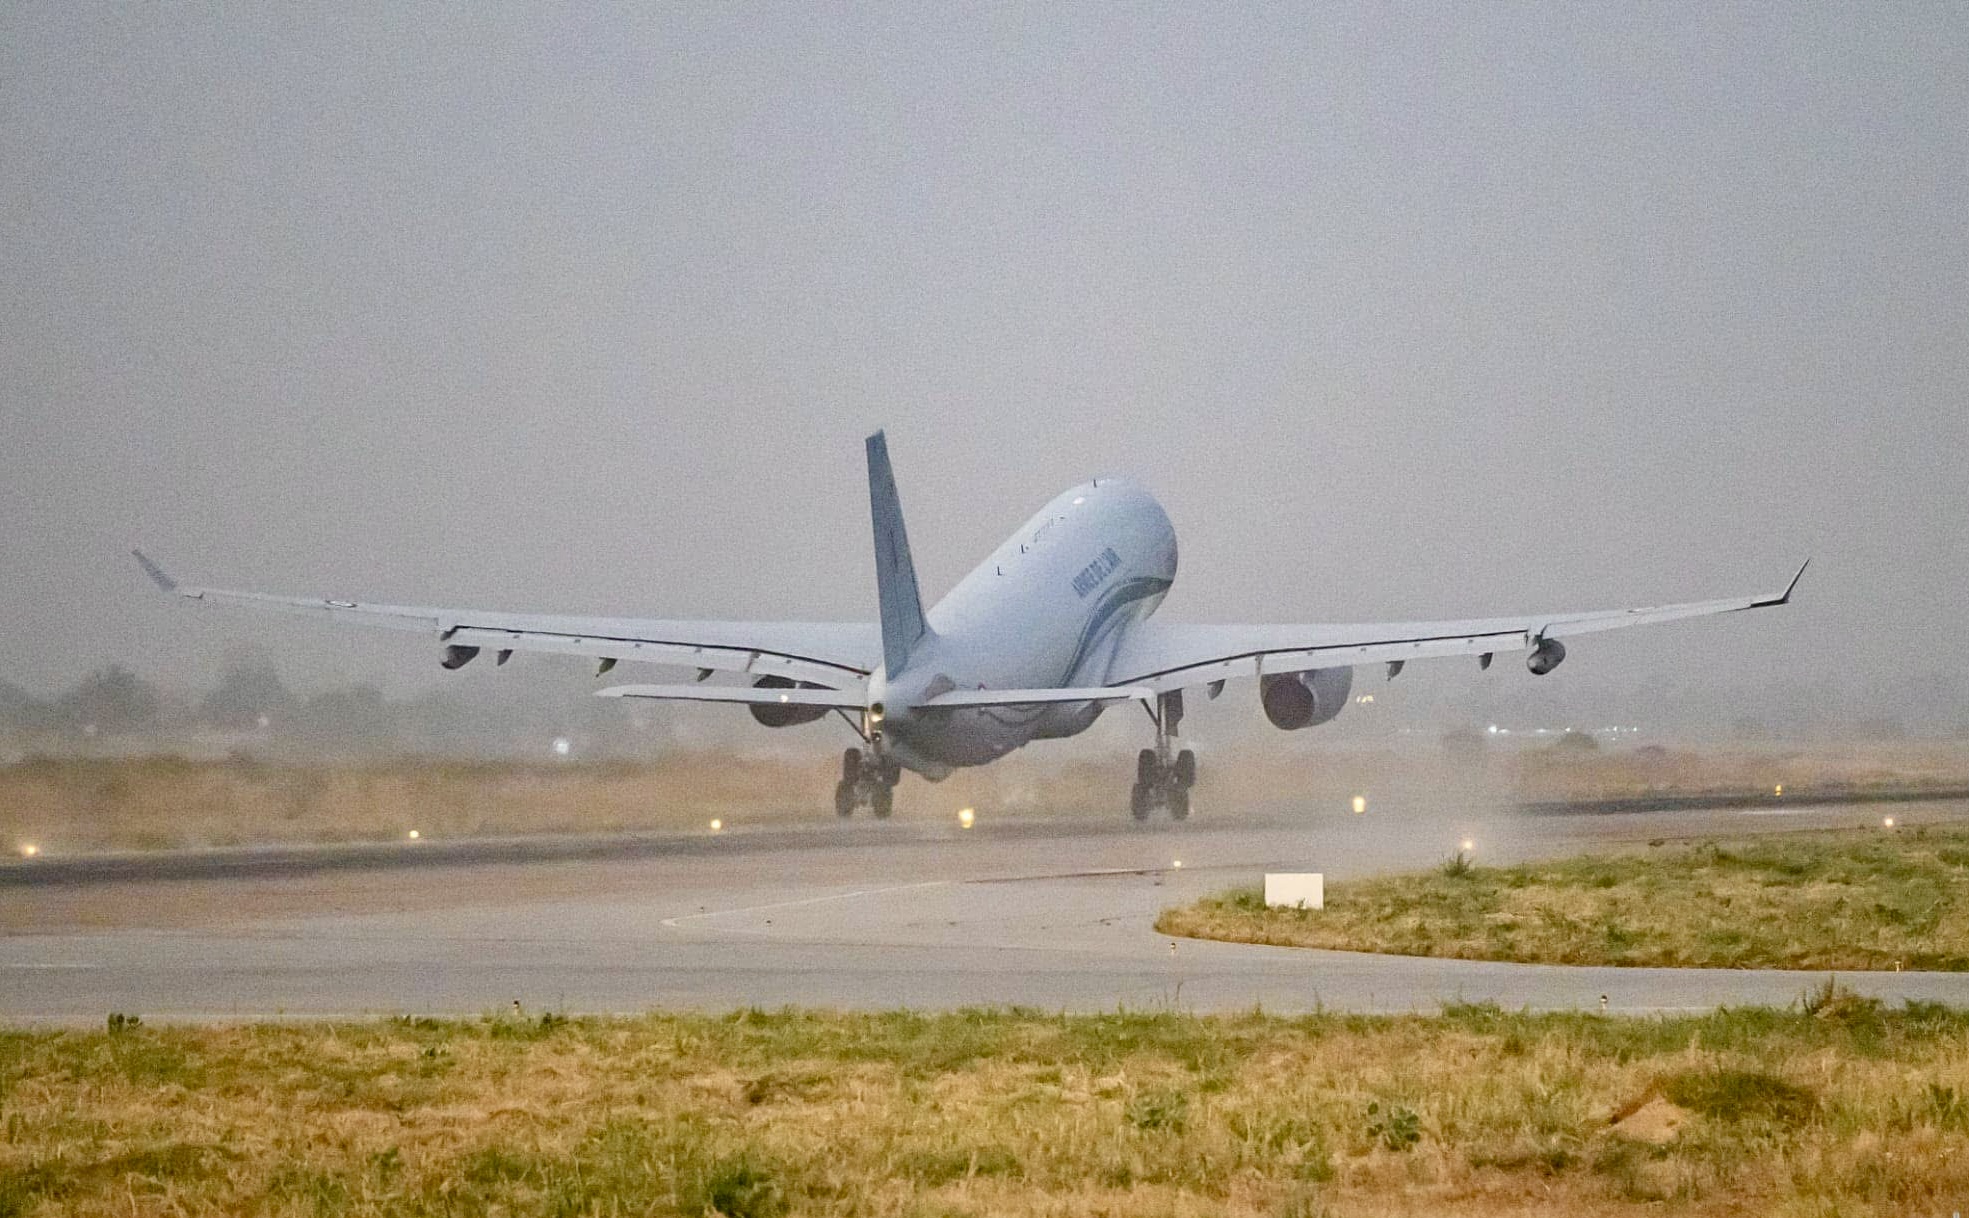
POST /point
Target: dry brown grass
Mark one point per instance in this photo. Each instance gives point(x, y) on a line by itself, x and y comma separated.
point(79, 804)
point(1822, 768)
point(1865, 899)
point(1854, 1110)
point(73, 805)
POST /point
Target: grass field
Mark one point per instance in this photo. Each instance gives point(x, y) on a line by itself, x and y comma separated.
point(68, 805)
point(1839, 1106)
point(71, 804)
point(1866, 899)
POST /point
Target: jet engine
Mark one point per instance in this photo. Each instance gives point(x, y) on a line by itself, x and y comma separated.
point(773, 714)
point(1545, 657)
point(1302, 699)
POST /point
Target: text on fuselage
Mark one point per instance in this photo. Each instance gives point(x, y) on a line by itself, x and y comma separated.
point(1094, 573)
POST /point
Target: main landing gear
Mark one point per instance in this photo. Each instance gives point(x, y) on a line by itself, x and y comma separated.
point(867, 780)
point(1163, 776)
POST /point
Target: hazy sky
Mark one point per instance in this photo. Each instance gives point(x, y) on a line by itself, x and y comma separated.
point(1403, 312)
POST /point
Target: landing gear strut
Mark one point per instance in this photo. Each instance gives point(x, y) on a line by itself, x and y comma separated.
point(1163, 776)
point(868, 780)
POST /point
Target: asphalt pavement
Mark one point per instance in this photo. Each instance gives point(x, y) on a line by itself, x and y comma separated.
point(1055, 915)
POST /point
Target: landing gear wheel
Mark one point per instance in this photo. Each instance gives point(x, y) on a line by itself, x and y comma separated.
point(851, 766)
point(844, 799)
point(882, 801)
point(1163, 775)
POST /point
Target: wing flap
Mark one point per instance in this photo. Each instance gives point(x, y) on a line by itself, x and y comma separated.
point(656, 651)
point(831, 698)
point(1035, 697)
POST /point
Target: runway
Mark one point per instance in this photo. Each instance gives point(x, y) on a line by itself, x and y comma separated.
point(1055, 915)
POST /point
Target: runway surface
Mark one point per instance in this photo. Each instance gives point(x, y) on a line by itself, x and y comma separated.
point(1052, 915)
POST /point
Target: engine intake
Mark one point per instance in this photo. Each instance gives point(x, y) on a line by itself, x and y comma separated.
point(773, 714)
point(1296, 700)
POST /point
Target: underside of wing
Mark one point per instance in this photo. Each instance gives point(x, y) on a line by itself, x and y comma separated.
point(1167, 656)
point(827, 699)
point(838, 655)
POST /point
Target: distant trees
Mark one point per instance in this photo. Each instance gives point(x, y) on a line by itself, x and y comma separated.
point(353, 718)
point(251, 708)
point(248, 696)
point(110, 701)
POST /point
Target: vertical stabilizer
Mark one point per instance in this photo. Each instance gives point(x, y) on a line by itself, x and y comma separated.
point(903, 626)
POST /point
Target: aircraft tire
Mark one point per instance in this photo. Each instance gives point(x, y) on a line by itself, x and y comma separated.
point(882, 801)
point(1186, 769)
point(1179, 803)
point(844, 799)
point(1146, 766)
point(851, 766)
point(1141, 801)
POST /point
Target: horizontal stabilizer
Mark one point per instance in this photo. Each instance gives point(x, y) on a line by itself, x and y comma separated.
point(833, 698)
point(1034, 697)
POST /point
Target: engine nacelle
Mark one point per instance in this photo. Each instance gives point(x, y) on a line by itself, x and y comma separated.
point(773, 714)
point(1303, 699)
point(1545, 657)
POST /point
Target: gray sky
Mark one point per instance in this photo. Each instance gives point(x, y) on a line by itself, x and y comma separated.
point(1402, 313)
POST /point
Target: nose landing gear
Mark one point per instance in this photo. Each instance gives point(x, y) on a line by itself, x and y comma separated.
point(867, 780)
point(1163, 776)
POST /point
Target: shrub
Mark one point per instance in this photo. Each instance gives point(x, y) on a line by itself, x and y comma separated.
point(739, 1188)
point(1742, 1095)
point(1159, 1110)
point(1397, 1128)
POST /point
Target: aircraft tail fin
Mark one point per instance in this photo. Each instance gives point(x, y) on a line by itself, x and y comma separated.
point(903, 624)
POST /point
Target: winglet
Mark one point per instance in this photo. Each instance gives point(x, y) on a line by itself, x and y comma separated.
point(1782, 598)
point(156, 573)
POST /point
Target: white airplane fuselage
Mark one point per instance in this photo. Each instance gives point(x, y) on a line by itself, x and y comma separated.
point(1046, 610)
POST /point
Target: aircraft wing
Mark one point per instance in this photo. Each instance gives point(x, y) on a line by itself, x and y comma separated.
point(838, 655)
point(1169, 656)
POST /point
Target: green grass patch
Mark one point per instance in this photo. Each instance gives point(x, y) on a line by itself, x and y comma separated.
point(1840, 901)
point(1834, 1105)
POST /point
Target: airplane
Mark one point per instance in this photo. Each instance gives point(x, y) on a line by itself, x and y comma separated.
point(1050, 630)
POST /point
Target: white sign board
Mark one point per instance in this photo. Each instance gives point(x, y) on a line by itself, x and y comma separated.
point(1301, 889)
